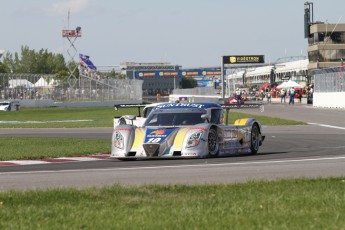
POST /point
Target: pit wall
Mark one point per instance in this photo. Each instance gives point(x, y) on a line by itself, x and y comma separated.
point(329, 100)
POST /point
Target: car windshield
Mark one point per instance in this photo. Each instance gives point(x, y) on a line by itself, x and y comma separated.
point(174, 119)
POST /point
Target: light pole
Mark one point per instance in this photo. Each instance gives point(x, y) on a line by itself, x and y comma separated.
point(174, 82)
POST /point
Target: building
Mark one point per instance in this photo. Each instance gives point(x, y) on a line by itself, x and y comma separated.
point(163, 78)
point(326, 52)
point(284, 69)
point(326, 45)
point(158, 77)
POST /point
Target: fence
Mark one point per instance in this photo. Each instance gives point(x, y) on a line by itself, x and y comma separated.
point(329, 80)
point(202, 91)
point(84, 88)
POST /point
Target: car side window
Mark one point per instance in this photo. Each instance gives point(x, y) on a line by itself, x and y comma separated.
point(147, 111)
point(216, 115)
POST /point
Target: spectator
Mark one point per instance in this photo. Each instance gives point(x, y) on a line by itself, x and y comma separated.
point(269, 96)
point(300, 96)
point(238, 96)
point(292, 96)
point(282, 96)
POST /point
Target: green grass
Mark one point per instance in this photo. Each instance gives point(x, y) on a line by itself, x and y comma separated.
point(285, 204)
point(34, 148)
point(100, 117)
point(24, 148)
point(264, 120)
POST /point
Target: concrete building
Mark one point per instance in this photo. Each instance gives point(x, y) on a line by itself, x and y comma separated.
point(326, 45)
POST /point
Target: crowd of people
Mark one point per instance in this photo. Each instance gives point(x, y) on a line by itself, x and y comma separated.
point(291, 93)
point(285, 95)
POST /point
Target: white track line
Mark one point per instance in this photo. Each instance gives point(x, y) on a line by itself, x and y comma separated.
point(335, 158)
point(327, 126)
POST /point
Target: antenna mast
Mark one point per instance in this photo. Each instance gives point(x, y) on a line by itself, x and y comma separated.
point(72, 51)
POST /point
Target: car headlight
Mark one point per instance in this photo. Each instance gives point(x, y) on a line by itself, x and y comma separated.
point(194, 139)
point(118, 140)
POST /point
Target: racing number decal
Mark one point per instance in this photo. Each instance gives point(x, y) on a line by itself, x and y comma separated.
point(154, 140)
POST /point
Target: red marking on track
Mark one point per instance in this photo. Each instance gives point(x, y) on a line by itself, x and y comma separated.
point(57, 160)
point(100, 156)
point(7, 164)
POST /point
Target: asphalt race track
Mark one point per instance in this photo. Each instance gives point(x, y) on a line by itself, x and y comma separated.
point(314, 150)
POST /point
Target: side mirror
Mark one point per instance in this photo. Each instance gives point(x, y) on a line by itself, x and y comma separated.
point(206, 117)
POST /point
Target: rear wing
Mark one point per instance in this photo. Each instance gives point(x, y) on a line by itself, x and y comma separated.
point(243, 106)
point(131, 109)
point(227, 108)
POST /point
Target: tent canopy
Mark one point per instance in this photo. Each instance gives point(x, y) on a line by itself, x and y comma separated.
point(13, 83)
point(289, 84)
point(264, 86)
point(44, 84)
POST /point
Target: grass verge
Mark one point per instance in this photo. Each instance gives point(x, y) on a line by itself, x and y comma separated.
point(25, 148)
point(264, 120)
point(285, 204)
point(97, 117)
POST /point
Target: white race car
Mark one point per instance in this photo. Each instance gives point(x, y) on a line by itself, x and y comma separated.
point(129, 119)
point(178, 130)
point(9, 105)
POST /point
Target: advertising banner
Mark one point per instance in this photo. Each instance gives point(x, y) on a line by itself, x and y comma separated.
point(243, 59)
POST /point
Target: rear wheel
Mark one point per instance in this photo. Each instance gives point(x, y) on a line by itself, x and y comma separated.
point(255, 139)
point(213, 143)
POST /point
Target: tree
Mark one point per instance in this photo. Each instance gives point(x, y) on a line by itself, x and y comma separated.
point(188, 82)
point(4, 68)
point(41, 62)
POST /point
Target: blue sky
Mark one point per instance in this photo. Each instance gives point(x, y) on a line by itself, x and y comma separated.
point(191, 33)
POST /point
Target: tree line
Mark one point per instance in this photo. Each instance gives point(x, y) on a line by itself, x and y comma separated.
point(30, 61)
point(44, 62)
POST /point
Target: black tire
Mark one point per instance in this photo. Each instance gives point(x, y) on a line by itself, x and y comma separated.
point(254, 139)
point(213, 143)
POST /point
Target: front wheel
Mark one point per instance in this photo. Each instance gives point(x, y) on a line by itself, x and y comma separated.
point(255, 139)
point(213, 143)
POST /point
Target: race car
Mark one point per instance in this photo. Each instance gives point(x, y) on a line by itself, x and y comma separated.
point(9, 105)
point(139, 120)
point(186, 130)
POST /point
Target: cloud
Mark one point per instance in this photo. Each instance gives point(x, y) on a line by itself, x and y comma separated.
point(75, 6)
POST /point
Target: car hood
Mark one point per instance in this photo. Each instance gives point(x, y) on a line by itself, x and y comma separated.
point(159, 134)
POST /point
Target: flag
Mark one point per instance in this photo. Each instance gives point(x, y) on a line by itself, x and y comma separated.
point(86, 60)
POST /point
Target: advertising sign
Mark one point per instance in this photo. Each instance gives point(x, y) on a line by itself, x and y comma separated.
point(243, 59)
point(180, 73)
point(205, 83)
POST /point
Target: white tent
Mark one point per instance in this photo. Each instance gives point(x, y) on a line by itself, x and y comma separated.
point(44, 84)
point(289, 84)
point(41, 83)
point(13, 83)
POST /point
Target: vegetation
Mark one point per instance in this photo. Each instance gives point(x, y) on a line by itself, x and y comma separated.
point(30, 61)
point(59, 117)
point(285, 204)
point(188, 82)
point(98, 117)
point(264, 120)
point(29, 148)
point(26, 148)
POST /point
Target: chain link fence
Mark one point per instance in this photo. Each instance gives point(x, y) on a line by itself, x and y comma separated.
point(329, 80)
point(199, 91)
point(84, 88)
